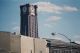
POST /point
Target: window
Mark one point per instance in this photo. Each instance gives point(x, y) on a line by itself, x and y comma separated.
point(56, 51)
point(40, 51)
point(67, 51)
point(31, 51)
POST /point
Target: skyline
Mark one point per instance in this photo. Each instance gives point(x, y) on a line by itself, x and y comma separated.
point(60, 16)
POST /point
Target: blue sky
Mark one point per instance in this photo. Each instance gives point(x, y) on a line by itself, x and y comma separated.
point(60, 16)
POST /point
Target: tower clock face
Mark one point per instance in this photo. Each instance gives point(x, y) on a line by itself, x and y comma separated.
point(32, 10)
point(24, 9)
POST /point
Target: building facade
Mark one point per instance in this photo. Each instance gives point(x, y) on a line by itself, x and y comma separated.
point(58, 46)
point(29, 23)
point(11, 43)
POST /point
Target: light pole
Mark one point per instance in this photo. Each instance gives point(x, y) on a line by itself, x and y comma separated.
point(66, 38)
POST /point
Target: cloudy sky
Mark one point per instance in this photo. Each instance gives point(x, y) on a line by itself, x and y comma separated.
point(60, 16)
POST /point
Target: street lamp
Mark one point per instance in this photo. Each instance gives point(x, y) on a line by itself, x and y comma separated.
point(62, 35)
point(65, 37)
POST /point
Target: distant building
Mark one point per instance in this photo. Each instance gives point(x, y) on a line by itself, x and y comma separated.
point(29, 22)
point(58, 46)
point(10, 43)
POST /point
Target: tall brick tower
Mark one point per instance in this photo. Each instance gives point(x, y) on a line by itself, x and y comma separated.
point(29, 22)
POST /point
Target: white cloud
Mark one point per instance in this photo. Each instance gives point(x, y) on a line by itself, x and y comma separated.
point(52, 21)
point(77, 42)
point(16, 29)
point(53, 8)
point(70, 9)
point(48, 25)
point(48, 7)
point(77, 38)
point(53, 18)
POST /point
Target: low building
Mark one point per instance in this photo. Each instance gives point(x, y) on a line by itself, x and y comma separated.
point(58, 46)
point(11, 43)
point(33, 45)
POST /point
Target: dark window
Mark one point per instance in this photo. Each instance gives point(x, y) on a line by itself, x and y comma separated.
point(31, 51)
point(56, 51)
point(40, 51)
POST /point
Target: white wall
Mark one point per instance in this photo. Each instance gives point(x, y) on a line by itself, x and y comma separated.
point(22, 44)
point(5, 41)
point(40, 46)
point(15, 43)
point(35, 45)
point(27, 44)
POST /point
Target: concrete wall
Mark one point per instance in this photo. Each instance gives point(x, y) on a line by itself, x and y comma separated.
point(9, 43)
point(21, 44)
point(4, 41)
point(33, 45)
point(27, 45)
point(15, 43)
point(40, 45)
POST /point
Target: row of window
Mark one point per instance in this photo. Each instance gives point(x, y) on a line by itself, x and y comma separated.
point(64, 51)
point(39, 52)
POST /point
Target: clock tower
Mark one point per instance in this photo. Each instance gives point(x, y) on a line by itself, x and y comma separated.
point(29, 23)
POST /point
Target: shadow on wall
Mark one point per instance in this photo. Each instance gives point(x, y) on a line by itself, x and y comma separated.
point(3, 51)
